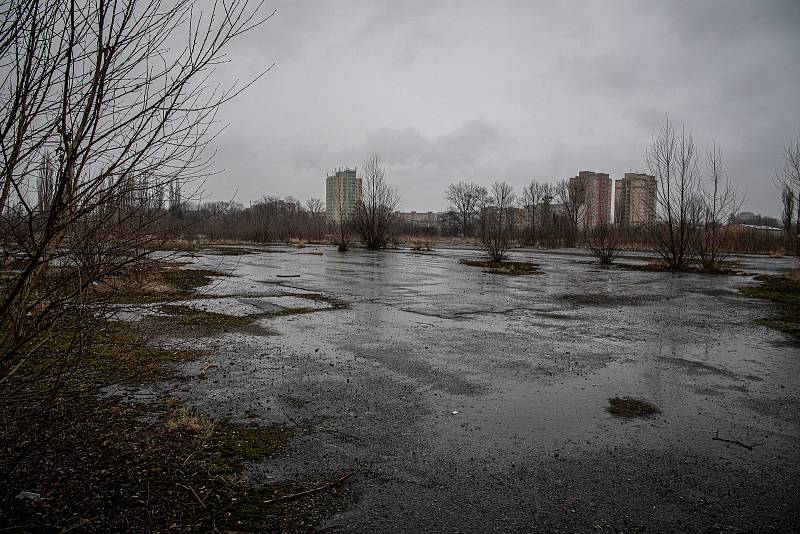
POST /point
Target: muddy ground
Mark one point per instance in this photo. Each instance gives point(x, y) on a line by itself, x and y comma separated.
point(476, 402)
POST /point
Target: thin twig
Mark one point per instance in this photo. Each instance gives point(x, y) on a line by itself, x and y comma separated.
point(205, 369)
point(308, 492)
point(196, 496)
point(80, 523)
point(734, 441)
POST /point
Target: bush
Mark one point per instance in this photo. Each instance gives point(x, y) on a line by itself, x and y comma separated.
point(604, 243)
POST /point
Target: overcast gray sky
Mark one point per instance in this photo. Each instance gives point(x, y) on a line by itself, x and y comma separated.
point(513, 91)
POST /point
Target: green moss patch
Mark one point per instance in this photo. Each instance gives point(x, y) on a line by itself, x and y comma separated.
point(630, 407)
point(784, 290)
point(236, 442)
point(182, 320)
point(103, 464)
point(102, 352)
point(513, 268)
point(254, 512)
point(124, 354)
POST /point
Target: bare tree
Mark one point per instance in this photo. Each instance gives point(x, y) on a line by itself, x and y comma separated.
point(464, 199)
point(498, 223)
point(719, 205)
point(672, 160)
point(101, 86)
point(291, 216)
point(604, 243)
point(573, 199)
point(316, 211)
point(375, 209)
point(546, 211)
point(787, 214)
point(790, 179)
point(533, 197)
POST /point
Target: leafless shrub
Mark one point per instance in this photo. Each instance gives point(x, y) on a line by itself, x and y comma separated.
point(671, 158)
point(316, 215)
point(719, 205)
point(788, 200)
point(97, 120)
point(497, 221)
point(604, 243)
point(342, 227)
point(536, 201)
point(573, 199)
point(374, 212)
point(789, 182)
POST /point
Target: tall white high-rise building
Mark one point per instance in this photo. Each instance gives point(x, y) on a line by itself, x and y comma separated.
point(342, 193)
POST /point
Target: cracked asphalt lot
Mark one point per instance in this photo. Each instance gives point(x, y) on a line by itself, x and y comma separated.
point(473, 402)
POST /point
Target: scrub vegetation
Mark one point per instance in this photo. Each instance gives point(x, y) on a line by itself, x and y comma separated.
point(630, 407)
point(785, 291)
point(102, 462)
point(504, 267)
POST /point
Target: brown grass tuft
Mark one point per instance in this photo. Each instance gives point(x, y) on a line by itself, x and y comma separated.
point(630, 407)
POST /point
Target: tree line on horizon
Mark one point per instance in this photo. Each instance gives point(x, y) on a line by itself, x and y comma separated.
point(696, 213)
point(694, 220)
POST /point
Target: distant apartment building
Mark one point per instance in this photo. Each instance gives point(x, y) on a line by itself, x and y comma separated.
point(342, 193)
point(596, 190)
point(423, 218)
point(635, 199)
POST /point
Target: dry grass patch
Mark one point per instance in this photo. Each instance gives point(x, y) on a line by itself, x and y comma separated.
point(190, 422)
point(785, 290)
point(514, 268)
point(183, 320)
point(630, 407)
point(158, 281)
point(660, 266)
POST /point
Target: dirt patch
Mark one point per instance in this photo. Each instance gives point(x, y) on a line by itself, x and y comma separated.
point(157, 282)
point(513, 268)
point(113, 465)
point(630, 407)
point(182, 321)
point(724, 269)
point(254, 512)
point(784, 290)
point(120, 467)
point(334, 302)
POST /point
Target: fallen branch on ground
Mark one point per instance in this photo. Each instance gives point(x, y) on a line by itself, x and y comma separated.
point(308, 492)
point(734, 441)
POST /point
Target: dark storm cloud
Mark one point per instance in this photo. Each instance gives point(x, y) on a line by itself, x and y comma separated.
point(506, 91)
point(407, 149)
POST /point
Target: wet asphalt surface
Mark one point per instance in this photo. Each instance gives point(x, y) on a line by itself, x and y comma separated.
point(472, 402)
